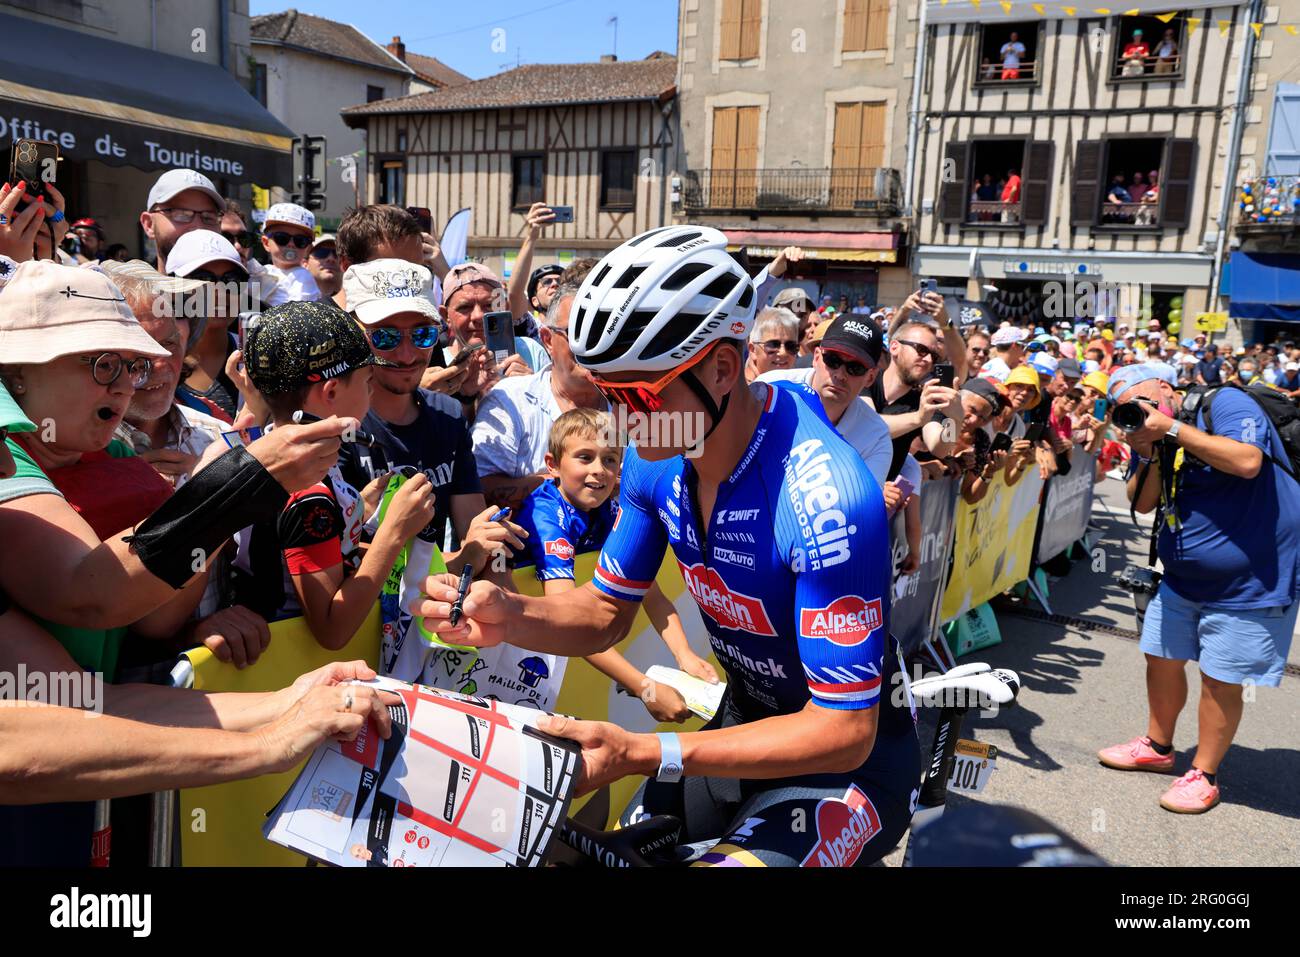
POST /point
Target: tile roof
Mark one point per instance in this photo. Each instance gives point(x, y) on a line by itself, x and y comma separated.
point(434, 70)
point(540, 85)
point(317, 35)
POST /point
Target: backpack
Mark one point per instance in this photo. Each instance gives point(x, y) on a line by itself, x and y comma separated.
point(1279, 408)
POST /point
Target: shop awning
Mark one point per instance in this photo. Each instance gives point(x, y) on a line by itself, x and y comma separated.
point(1264, 286)
point(128, 106)
point(877, 247)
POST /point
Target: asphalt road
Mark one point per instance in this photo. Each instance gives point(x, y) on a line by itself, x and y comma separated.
point(1084, 689)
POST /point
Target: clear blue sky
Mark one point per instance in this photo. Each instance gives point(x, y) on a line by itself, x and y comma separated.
point(461, 34)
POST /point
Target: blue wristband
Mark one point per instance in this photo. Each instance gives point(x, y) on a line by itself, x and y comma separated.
point(670, 761)
point(57, 217)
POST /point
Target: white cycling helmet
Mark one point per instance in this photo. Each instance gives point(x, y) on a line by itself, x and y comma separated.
point(659, 300)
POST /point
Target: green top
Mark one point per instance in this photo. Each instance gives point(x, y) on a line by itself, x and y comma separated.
point(95, 649)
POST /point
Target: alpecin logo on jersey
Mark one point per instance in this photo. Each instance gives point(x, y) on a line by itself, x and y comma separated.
point(561, 549)
point(844, 827)
point(728, 608)
point(846, 621)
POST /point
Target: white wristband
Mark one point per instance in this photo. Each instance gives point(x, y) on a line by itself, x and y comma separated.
point(670, 761)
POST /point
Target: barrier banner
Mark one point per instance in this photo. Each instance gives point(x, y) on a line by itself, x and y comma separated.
point(1066, 506)
point(911, 615)
point(221, 825)
point(994, 543)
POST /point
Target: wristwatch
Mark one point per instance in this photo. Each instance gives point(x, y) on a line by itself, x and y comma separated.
point(1173, 430)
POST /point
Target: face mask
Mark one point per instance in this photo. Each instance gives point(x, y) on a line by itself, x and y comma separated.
point(1247, 375)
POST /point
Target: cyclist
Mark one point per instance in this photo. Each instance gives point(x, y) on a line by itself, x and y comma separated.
point(781, 535)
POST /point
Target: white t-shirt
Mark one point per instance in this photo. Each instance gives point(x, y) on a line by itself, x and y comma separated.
point(513, 426)
point(1011, 54)
point(861, 426)
point(995, 368)
point(295, 284)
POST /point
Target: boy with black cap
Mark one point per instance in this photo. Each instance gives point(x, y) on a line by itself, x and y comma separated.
point(311, 357)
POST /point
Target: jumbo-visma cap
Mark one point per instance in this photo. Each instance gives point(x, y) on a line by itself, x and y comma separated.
point(301, 343)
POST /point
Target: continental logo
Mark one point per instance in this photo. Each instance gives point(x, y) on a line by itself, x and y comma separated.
point(846, 621)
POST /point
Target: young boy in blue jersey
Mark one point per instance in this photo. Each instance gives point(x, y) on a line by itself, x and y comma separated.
point(573, 513)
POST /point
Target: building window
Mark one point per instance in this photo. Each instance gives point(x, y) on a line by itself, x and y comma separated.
point(734, 162)
point(1147, 48)
point(401, 141)
point(1008, 54)
point(742, 23)
point(866, 25)
point(617, 179)
point(392, 182)
point(526, 180)
point(999, 183)
point(259, 83)
point(858, 150)
point(1133, 183)
point(374, 93)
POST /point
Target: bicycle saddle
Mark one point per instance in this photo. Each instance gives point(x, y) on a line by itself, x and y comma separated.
point(967, 686)
point(634, 846)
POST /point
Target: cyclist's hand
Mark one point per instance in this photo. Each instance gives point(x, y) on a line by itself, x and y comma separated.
point(483, 622)
point(606, 749)
point(691, 663)
point(665, 702)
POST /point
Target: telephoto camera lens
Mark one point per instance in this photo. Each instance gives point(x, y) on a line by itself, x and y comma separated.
point(1130, 416)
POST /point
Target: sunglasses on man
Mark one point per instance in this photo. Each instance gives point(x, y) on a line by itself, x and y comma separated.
point(288, 239)
point(242, 237)
point(776, 345)
point(323, 253)
point(925, 352)
point(835, 361)
point(386, 339)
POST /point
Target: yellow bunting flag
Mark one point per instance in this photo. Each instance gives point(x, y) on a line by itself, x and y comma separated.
point(1192, 24)
point(1166, 17)
point(1006, 5)
point(1039, 9)
point(1069, 11)
point(1104, 11)
point(1258, 28)
point(1224, 27)
point(975, 4)
point(1294, 31)
point(1131, 13)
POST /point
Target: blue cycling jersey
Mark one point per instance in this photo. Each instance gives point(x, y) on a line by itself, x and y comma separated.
point(558, 531)
point(792, 574)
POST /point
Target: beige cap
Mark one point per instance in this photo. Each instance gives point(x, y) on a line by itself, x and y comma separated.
point(382, 288)
point(48, 311)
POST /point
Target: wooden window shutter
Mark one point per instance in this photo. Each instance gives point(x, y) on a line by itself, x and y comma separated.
point(1176, 183)
point(877, 36)
point(746, 155)
point(855, 26)
point(1036, 183)
point(953, 196)
point(724, 138)
point(871, 148)
point(1087, 180)
point(729, 43)
point(751, 25)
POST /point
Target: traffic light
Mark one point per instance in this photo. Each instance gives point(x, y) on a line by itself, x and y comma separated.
point(309, 171)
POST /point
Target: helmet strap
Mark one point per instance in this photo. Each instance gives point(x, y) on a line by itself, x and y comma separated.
point(716, 412)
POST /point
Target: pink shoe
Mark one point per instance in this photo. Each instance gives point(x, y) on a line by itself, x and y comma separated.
point(1191, 794)
point(1136, 755)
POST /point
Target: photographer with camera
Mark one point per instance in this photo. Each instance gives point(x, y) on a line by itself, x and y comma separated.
point(1228, 536)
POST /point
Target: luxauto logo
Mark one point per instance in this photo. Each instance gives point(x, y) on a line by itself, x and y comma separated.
point(76, 910)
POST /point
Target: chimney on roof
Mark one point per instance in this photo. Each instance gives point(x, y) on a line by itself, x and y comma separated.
point(397, 48)
point(608, 58)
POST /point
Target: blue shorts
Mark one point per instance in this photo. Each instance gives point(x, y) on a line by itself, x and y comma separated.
point(1231, 645)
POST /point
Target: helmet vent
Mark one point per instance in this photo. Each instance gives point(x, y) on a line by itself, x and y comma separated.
point(646, 235)
point(746, 297)
point(721, 287)
point(673, 334)
point(688, 273)
point(679, 240)
point(627, 336)
point(600, 276)
point(629, 276)
point(596, 328)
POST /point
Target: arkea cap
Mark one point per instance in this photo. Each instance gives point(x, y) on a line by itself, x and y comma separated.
point(1125, 377)
point(290, 213)
point(176, 181)
point(855, 335)
point(48, 310)
point(460, 276)
point(197, 248)
point(302, 343)
point(12, 418)
point(382, 288)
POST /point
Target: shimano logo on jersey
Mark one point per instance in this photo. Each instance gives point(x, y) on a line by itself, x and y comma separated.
point(771, 668)
point(730, 609)
point(674, 508)
point(824, 527)
point(846, 622)
point(844, 827)
point(743, 559)
point(673, 531)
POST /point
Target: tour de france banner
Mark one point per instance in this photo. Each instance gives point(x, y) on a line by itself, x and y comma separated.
point(911, 615)
point(994, 543)
point(221, 825)
point(1066, 506)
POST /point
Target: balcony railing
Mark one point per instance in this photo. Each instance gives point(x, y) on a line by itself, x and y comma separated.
point(864, 191)
point(1130, 214)
point(992, 211)
point(1269, 203)
point(995, 74)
